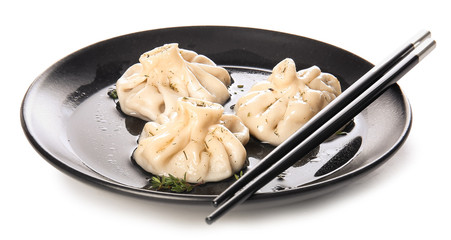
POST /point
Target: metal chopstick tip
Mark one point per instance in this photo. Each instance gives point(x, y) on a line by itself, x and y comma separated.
point(420, 37)
point(424, 49)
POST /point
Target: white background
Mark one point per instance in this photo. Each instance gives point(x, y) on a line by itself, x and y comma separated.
point(407, 198)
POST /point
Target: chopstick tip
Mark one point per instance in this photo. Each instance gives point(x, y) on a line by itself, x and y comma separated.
point(420, 37)
point(423, 50)
point(209, 220)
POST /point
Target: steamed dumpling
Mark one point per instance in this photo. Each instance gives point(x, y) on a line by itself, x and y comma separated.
point(150, 88)
point(198, 140)
point(274, 109)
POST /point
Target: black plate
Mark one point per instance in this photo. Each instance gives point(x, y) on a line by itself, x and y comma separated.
point(69, 119)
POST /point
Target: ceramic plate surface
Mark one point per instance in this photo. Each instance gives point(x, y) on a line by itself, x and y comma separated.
point(70, 120)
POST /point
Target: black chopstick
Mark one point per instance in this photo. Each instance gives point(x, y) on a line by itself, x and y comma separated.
point(340, 111)
point(319, 119)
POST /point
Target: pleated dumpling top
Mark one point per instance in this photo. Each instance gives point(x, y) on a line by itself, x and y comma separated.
point(197, 142)
point(274, 109)
point(149, 89)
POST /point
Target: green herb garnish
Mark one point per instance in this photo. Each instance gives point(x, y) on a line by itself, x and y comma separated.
point(171, 183)
point(113, 94)
point(238, 176)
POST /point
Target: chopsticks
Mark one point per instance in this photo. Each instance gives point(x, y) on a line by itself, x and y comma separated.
point(329, 120)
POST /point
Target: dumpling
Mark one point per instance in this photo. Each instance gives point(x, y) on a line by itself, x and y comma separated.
point(274, 109)
point(151, 87)
point(198, 140)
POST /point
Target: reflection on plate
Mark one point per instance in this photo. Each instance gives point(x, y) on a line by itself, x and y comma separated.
point(68, 117)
